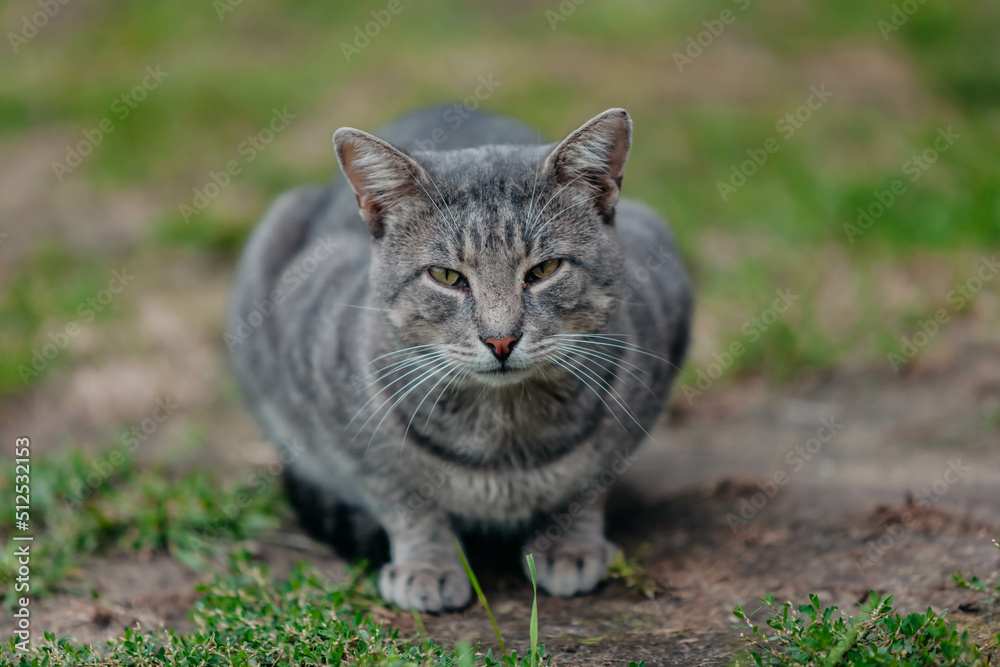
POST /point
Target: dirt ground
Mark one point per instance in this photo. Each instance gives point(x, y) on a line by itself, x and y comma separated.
point(878, 481)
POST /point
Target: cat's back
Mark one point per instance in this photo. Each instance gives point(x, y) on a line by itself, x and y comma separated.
point(454, 127)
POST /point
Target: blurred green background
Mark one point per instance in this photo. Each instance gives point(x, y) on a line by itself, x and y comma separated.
point(898, 73)
point(118, 120)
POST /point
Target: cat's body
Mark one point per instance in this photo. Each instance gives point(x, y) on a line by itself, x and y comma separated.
point(489, 420)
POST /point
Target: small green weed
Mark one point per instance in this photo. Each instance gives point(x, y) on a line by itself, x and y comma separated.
point(632, 574)
point(976, 584)
point(813, 636)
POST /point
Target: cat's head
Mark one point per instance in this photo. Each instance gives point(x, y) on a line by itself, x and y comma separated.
point(487, 257)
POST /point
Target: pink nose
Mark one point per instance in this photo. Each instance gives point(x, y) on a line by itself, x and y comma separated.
point(501, 346)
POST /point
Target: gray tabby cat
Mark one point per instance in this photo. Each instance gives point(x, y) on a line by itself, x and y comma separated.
point(458, 340)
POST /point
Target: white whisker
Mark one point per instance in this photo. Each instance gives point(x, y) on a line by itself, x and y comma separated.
point(563, 362)
point(533, 186)
point(405, 349)
point(537, 217)
point(398, 366)
point(407, 388)
point(351, 305)
point(575, 349)
point(450, 368)
point(586, 338)
point(611, 391)
point(546, 223)
point(431, 199)
point(423, 364)
point(461, 374)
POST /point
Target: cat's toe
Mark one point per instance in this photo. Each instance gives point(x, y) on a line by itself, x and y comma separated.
point(425, 586)
point(571, 569)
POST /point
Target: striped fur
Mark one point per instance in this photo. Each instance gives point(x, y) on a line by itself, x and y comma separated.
point(375, 380)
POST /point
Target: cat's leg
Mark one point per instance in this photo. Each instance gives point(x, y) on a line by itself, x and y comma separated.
point(570, 551)
point(425, 571)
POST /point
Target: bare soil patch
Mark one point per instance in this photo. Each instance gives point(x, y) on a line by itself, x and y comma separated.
point(873, 507)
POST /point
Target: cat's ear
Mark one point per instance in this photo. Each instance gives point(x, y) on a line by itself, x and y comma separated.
point(593, 157)
point(380, 175)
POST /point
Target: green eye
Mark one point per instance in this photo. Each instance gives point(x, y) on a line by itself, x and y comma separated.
point(545, 269)
point(446, 276)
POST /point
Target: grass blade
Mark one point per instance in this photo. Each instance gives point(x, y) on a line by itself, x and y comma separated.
point(482, 598)
point(421, 631)
point(534, 608)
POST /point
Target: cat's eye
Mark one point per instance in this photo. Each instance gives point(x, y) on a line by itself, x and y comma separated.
point(448, 277)
point(544, 270)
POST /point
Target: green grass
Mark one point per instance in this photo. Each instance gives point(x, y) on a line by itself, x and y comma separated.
point(247, 617)
point(88, 505)
point(53, 290)
point(207, 234)
point(83, 506)
point(810, 635)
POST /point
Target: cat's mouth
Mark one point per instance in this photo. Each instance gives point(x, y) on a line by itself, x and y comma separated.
point(502, 375)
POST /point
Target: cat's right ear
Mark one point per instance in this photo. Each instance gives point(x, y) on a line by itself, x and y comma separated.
point(380, 175)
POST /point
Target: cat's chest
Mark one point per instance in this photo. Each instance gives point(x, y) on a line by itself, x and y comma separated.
point(518, 431)
point(503, 462)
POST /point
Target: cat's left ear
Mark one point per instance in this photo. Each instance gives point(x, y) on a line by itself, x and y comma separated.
point(593, 157)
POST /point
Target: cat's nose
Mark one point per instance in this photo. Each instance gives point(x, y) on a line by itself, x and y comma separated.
point(501, 346)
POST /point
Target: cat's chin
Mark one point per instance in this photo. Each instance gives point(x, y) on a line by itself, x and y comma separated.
point(502, 377)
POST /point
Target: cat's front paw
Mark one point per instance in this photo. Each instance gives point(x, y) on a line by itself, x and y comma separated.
point(425, 586)
point(568, 569)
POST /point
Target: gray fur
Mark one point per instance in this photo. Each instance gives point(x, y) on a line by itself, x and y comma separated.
point(334, 282)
